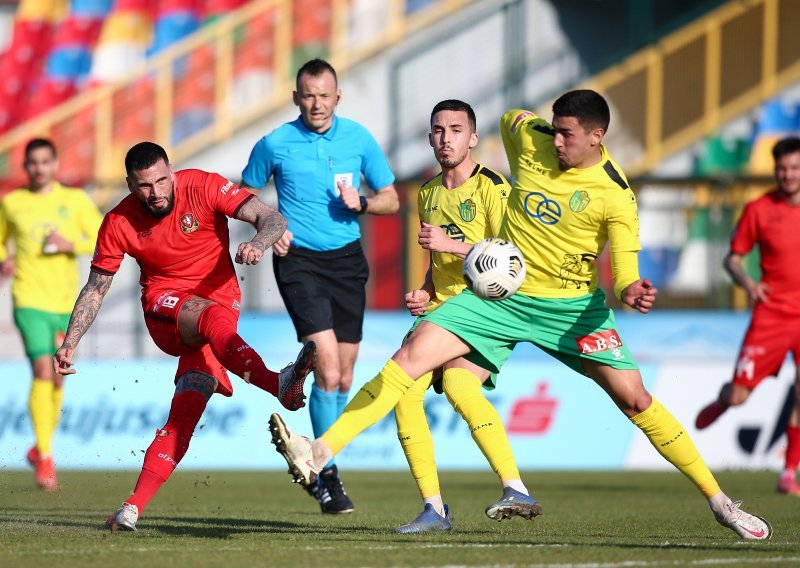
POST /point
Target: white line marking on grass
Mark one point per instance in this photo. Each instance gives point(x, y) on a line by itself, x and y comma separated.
point(433, 545)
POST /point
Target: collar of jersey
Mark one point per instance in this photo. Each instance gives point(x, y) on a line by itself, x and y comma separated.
point(301, 126)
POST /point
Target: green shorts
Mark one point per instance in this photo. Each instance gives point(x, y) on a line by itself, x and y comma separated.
point(569, 329)
point(489, 384)
point(42, 332)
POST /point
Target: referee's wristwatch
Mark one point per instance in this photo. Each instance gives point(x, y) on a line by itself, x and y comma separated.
point(364, 205)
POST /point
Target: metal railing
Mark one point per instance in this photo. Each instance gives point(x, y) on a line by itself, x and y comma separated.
point(200, 90)
point(689, 84)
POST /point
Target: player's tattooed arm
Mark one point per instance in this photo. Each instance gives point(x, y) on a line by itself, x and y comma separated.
point(269, 224)
point(83, 315)
point(87, 306)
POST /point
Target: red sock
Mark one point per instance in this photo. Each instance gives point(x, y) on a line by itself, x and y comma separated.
point(792, 447)
point(169, 446)
point(218, 326)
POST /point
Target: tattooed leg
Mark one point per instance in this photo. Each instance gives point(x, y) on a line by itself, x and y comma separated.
point(196, 381)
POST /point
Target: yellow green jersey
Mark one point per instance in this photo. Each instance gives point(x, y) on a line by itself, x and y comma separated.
point(562, 220)
point(468, 213)
point(47, 282)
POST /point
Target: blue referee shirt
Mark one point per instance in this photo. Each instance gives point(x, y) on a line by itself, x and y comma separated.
point(305, 165)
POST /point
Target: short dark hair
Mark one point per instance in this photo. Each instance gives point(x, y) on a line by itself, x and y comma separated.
point(315, 68)
point(589, 107)
point(455, 104)
point(144, 155)
point(784, 146)
point(36, 143)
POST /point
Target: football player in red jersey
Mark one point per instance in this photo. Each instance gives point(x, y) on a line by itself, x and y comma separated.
point(770, 222)
point(174, 224)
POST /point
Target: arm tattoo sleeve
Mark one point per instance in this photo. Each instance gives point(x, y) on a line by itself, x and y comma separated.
point(269, 224)
point(86, 307)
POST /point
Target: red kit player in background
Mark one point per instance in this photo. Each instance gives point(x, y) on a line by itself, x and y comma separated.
point(771, 222)
point(175, 225)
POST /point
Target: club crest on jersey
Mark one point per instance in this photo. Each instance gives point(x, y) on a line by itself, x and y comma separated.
point(188, 223)
point(579, 200)
point(467, 210)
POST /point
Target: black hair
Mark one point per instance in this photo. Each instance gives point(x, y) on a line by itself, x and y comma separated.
point(144, 155)
point(589, 107)
point(785, 146)
point(315, 68)
point(37, 143)
point(457, 105)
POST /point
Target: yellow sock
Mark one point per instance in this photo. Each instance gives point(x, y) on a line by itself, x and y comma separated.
point(672, 441)
point(58, 403)
point(415, 437)
point(41, 408)
point(463, 390)
point(371, 403)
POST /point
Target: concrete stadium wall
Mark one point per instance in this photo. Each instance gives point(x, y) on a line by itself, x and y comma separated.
point(556, 418)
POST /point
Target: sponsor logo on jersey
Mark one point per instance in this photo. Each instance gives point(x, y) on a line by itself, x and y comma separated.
point(224, 189)
point(542, 208)
point(579, 200)
point(467, 210)
point(431, 209)
point(601, 341)
point(188, 223)
point(454, 232)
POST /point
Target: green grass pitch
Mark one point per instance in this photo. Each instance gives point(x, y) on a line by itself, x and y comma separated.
point(598, 519)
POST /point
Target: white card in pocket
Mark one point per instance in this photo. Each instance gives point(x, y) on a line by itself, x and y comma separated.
point(345, 179)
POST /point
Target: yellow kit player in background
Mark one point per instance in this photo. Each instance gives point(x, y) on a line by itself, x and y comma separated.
point(47, 226)
point(459, 207)
point(569, 199)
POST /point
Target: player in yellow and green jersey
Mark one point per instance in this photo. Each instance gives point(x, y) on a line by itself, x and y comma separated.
point(569, 199)
point(459, 207)
point(48, 225)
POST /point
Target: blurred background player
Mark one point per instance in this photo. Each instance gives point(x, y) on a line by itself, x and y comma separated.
point(49, 225)
point(771, 222)
point(464, 204)
point(321, 271)
point(175, 225)
point(569, 198)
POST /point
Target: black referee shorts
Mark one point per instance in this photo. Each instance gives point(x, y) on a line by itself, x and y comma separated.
point(324, 290)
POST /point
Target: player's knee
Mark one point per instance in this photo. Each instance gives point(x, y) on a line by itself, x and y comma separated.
point(738, 396)
point(196, 381)
point(43, 368)
point(327, 377)
point(635, 402)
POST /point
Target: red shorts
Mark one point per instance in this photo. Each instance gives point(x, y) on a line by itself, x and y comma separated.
point(161, 311)
point(769, 338)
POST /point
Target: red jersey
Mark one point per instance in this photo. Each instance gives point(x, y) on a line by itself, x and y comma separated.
point(772, 224)
point(188, 250)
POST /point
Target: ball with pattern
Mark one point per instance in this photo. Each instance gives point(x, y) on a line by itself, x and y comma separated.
point(494, 269)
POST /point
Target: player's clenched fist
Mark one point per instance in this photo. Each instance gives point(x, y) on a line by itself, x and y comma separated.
point(416, 300)
point(432, 237)
point(249, 253)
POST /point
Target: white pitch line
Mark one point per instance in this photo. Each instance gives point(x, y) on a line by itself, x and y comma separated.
point(405, 546)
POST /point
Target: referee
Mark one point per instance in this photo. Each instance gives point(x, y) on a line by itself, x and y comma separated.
point(317, 161)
